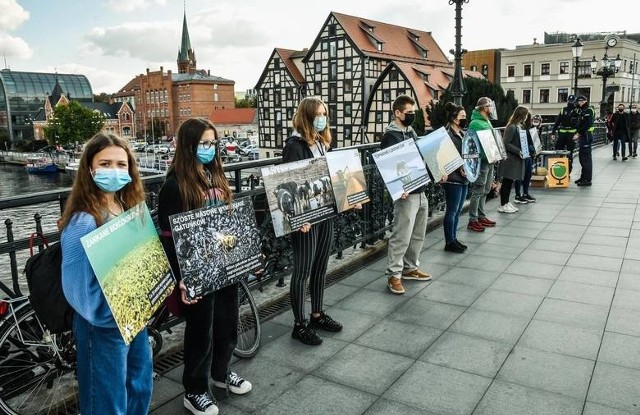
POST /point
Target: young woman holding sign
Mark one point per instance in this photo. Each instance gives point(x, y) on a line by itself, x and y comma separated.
point(113, 378)
point(194, 180)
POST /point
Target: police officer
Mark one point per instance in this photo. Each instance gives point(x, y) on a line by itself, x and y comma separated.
point(565, 125)
point(584, 138)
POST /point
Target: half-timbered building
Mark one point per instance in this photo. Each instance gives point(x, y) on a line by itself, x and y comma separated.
point(357, 66)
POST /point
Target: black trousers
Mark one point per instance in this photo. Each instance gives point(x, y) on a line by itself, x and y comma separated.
point(505, 190)
point(622, 139)
point(584, 155)
point(210, 337)
point(310, 259)
point(565, 142)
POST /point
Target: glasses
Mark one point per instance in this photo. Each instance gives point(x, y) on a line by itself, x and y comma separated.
point(207, 144)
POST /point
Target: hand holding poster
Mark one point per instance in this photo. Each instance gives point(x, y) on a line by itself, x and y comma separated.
point(489, 145)
point(524, 144)
point(216, 245)
point(500, 143)
point(402, 168)
point(131, 267)
point(298, 192)
point(347, 178)
point(439, 153)
point(535, 137)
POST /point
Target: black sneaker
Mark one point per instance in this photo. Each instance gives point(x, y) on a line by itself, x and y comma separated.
point(584, 183)
point(236, 384)
point(460, 244)
point(200, 404)
point(634, 155)
point(324, 322)
point(529, 198)
point(615, 158)
point(520, 199)
point(453, 247)
point(625, 158)
point(306, 335)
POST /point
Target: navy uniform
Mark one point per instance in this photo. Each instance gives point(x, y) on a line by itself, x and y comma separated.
point(584, 138)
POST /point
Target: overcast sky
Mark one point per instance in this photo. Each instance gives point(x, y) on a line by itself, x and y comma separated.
point(110, 41)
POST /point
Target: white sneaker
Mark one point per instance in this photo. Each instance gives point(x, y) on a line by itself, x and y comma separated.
point(515, 209)
point(237, 385)
point(505, 209)
point(200, 404)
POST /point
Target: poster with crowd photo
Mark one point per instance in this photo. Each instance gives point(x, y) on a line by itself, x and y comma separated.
point(401, 168)
point(489, 145)
point(439, 153)
point(347, 178)
point(216, 246)
point(131, 267)
point(535, 138)
point(297, 193)
point(471, 155)
point(497, 135)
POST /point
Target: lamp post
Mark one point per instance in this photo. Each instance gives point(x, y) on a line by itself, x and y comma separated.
point(576, 49)
point(608, 68)
point(459, 88)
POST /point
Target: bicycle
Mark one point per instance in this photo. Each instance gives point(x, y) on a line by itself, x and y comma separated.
point(37, 369)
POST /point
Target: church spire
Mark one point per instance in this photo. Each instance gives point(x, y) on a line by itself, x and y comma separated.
point(186, 55)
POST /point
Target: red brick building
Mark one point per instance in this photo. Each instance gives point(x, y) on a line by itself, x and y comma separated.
point(163, 100)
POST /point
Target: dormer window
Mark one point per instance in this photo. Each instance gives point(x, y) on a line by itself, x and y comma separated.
point(379, 46)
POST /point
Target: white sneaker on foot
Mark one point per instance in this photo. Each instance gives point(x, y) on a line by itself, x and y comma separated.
point(515, 209)
point(237, 385)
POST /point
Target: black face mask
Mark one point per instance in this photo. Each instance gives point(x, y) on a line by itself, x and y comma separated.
point(462, 123)
point(408, 119)
point(620, 110)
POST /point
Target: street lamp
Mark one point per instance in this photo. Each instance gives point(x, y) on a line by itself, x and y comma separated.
point(608, 68)
point(576, 49)
point(459, 88)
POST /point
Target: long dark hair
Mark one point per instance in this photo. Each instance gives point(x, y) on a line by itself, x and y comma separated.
point(192, 181)
point(452, 111)
point(86, 196)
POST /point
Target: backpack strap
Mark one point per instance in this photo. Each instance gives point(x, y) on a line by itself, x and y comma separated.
point(32, 238)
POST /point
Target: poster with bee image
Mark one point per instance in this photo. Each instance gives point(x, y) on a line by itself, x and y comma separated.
point(216, 246)
point(131, 267)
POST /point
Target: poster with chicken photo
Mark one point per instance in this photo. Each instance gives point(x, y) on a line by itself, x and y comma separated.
point(298, 192)
point(216, 246)
point(347, 178)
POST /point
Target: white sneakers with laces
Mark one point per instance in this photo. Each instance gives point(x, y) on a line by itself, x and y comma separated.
point(237, 385)
point(506, 209)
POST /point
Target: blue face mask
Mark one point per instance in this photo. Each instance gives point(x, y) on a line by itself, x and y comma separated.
point(320, 123)
point(111, 180)
point(205, 155)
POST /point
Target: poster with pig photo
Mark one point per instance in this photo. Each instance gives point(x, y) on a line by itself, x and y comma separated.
point(297, 193)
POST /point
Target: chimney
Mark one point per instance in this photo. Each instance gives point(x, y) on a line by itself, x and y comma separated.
point(209, 72)
point(161, 70)
point(147, 71)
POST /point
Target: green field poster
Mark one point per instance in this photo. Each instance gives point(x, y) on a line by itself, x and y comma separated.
point(132, 269)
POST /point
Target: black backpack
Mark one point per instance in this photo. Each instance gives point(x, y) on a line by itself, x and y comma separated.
point(44, 278)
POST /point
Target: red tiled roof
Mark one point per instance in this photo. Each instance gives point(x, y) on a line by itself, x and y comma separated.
point(286, 56)
point(233, 116)
point(398, 43)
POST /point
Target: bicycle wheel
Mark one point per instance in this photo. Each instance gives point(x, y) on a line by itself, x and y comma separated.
point(37, 371)
point(249, 331)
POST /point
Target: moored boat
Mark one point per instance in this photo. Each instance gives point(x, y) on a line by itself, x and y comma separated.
point(40, 165)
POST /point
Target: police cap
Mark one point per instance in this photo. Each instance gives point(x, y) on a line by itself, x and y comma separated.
point(581, 98)
point(571, 98)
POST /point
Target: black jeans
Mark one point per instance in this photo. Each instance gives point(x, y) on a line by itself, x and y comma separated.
point(584, 155)
point(524, 183)
point(505, 190)
point(620, 138)
point(210, 337)
point(565, 142)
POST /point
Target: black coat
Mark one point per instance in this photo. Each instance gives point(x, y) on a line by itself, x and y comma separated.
point(513, 166)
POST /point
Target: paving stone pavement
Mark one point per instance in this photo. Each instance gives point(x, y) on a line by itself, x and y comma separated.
point(541, 315)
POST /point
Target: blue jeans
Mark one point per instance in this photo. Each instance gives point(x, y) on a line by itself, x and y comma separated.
point(113, 378)
point(455, 195)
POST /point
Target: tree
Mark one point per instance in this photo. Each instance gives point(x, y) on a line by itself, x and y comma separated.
point(103, 97)
point(245, 103)
point(73, 123)
point(476, 88)
point(418, 122)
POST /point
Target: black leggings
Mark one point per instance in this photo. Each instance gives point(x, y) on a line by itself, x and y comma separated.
point(505, 191)
point(310, 259)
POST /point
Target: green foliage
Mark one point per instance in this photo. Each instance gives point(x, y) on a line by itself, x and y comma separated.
point(418, 123)
point(245, 102)
point(103, 97)
point(476, 88)
point(5, 141)
point(73, 123)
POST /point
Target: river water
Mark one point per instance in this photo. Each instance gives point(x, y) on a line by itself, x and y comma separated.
point(14, 180)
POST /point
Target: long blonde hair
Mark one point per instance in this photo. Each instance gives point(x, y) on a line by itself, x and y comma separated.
point(303, 122)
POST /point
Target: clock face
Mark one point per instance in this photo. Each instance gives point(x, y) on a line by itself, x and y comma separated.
point(612, 42)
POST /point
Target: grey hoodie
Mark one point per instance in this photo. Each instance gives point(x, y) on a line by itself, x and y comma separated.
point(394, 135)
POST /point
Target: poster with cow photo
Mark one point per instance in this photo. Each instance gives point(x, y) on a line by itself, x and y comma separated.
point(402, 168)
point(347, 178)
point(298, 192)
point(216, 245)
